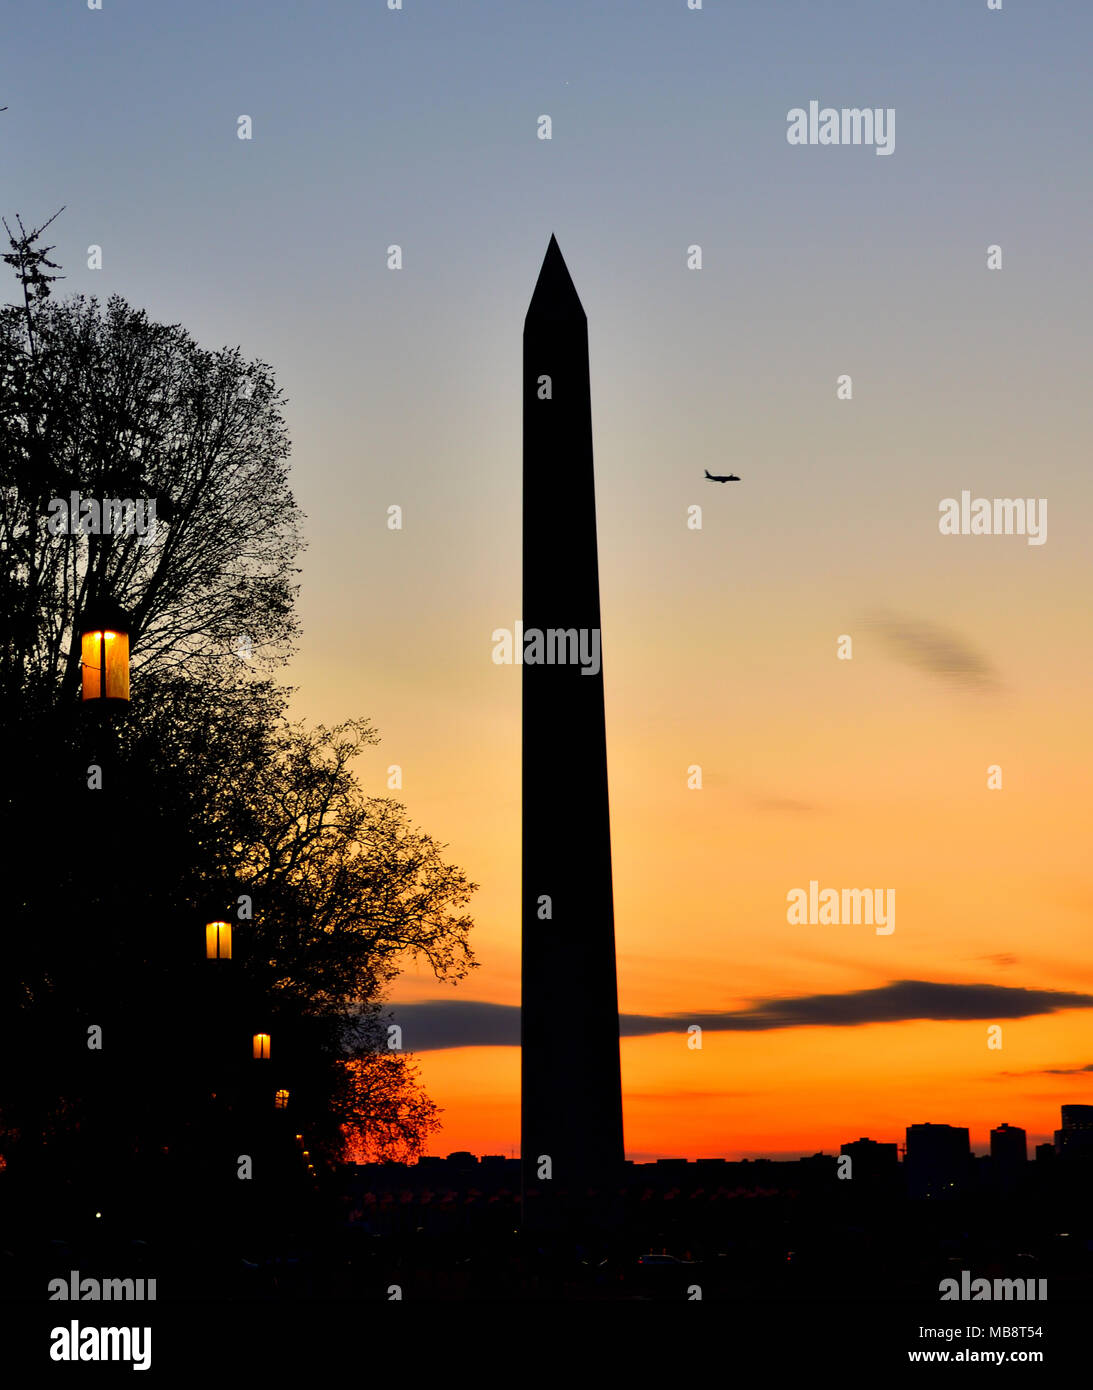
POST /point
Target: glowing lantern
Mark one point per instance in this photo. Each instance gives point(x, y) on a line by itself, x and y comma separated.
point(104, 654)
point(261, 1047)
point(218, 940)
point(280, 1099)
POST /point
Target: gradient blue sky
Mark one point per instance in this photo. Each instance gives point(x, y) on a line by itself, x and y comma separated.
point(418, 127)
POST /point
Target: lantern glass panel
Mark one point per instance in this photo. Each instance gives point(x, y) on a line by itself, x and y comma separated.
point(116, 645)
point(105, 664)
point(91, 668)
point(218, 941)
point(261, 1046)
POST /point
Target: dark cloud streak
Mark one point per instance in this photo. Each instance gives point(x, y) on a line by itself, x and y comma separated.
point(469, 1023)
point(936, 650)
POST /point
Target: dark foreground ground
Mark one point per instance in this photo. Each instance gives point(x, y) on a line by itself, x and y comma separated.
point(778, 1272)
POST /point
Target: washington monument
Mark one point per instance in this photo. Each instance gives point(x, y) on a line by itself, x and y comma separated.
point(571, 1104)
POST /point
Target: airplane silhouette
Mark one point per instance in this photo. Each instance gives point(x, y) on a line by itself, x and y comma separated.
point(722, 478)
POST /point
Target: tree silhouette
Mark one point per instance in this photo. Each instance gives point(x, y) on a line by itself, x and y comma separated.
point(210, 794)
point(385, 1119)
point(102, 401)
point(27, 258)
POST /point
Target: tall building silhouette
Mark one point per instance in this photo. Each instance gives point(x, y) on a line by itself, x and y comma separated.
point(871, 1161)
point(1009, 1157)
point(938, 1160)
point(1075, 1139)
point(571, 1101)
point(1009, 1145)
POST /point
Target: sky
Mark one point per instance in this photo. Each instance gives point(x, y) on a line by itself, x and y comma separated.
point(418, 128)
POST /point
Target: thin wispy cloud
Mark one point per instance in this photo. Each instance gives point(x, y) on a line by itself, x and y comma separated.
point(1053, 1071)
point(937, 650)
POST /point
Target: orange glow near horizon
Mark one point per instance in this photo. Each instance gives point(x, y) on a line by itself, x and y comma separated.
point(988, 893)
point(721, 650)
point(804, 1090)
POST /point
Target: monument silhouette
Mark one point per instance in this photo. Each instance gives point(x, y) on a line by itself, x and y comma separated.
point(571, 1095)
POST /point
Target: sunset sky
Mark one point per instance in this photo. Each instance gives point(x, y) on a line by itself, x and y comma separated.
point(418, 128)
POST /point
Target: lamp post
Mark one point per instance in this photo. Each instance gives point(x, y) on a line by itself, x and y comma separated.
point(103, 629)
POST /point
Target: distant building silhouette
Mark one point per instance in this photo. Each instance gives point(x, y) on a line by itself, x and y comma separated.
point(1075, 1139)
point(818, 1166)
point(1009, 1145)
point(871, 1160)
point(938, 1160)
point(571, 1090)
point(1009, 1157)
